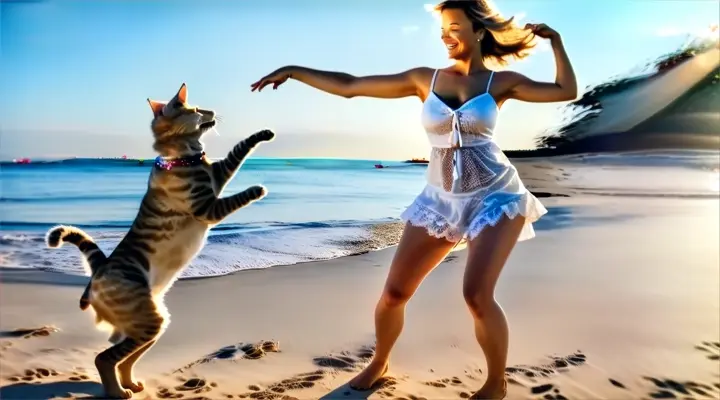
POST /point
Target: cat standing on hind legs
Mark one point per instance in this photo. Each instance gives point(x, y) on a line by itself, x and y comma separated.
point(180, 206)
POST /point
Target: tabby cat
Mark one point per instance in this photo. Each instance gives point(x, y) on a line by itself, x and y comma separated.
point(182, 202)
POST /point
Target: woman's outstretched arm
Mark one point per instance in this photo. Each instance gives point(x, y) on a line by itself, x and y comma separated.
point(404, 84)
point(565, 86)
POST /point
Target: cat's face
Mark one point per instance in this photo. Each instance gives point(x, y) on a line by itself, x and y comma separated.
point(176, 119)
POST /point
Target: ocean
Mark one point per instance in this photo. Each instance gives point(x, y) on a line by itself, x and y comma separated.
point(316, 209)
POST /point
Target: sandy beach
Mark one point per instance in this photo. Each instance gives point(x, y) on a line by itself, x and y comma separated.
point(616, 298)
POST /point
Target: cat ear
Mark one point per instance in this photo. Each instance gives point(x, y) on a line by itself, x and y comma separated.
point(182, 94)
point(156, 106)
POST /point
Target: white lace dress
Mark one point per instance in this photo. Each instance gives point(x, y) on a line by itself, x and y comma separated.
point(471, 184)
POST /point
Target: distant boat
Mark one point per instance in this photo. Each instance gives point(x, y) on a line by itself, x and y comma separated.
point(23, 160)
point(379, 166)
point(417, 161)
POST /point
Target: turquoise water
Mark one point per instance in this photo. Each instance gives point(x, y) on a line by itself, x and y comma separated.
point(312, 206)
point(316, 208)
point(106, 193)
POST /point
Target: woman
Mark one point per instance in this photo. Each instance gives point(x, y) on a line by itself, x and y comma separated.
point(473, 191)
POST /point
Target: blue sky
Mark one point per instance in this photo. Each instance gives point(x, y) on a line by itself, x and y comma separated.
point(75, 74)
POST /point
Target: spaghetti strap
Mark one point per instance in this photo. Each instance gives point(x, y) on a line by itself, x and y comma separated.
point(432, 82)
point(487, 89)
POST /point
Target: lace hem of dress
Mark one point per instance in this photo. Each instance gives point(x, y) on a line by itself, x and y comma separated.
point(436, 225)
point(527, 206)
point(419, 215)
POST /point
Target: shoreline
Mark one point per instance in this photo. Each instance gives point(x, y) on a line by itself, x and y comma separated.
point(535, 154)
point(552, 182)
point(588, 293)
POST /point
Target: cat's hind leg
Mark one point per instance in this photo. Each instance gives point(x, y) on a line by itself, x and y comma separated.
point(126, 367)
point(106, 363)
point(142, 325)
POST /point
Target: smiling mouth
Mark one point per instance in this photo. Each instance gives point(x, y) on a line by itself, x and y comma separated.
point(451, 46)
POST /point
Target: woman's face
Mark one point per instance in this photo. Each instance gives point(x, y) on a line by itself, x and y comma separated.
point(457, 34)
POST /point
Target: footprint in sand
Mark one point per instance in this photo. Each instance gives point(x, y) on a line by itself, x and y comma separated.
point(78, 376)
point(277, 390)
point(711, 348)
point(274, 391)
point(558, 364)
point(670, 389)
point(346, 361)
point(616, 383)
point(385, 387)
point(548, 391)
point(410, 397)
point(27, 333)
point(531, 376)
point(354, 361)
point(665, 388)
point(32, 375)
point(527, 373)
point(250, 351)
point(194, 385)
point(445, 382)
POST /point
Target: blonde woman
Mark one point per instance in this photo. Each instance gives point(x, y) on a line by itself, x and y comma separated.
point(472, 190)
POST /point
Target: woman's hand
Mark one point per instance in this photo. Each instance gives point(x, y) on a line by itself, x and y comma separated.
point(565, 86)
point(543, 31)
point(345, 85)
point(277, 78)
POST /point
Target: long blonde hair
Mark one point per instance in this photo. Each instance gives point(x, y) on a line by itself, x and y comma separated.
point(503, 39)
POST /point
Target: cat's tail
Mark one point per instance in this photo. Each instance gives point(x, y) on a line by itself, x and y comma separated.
point(94, 257)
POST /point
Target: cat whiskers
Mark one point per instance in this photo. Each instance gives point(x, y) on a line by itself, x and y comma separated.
point(218, 119)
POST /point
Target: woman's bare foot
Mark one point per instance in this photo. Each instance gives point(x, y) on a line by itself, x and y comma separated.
point(367, 378)
point(491, 391)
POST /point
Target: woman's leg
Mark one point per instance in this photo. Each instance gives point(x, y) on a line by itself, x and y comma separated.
point(417, 254)
point(487, 254)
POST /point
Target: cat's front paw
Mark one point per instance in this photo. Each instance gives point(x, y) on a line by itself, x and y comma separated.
point(265, 135)
point(256, 192)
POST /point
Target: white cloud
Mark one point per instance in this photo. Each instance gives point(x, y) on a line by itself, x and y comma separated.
point(410, 29)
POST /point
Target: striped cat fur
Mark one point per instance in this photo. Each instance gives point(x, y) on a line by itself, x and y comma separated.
point(182, 203)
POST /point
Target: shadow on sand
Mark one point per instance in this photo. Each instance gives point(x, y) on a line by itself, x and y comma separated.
point(346, 392)
point(559, 217)
point(40, 277)
point(49, 390)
